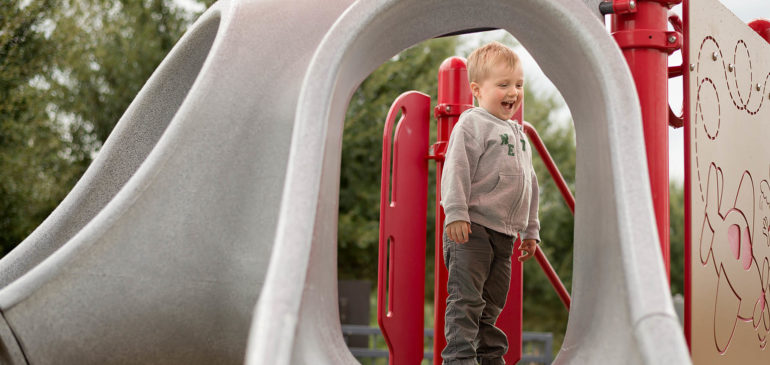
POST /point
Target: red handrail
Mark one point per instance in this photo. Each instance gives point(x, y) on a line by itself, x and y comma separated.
point(566, 193)
point(553, 278)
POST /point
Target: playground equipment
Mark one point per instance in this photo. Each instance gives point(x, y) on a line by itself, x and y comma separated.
point(727, 258)
point(205, 231)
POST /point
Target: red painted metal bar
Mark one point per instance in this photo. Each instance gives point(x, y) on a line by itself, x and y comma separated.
point(534, 139)
point(646, 44)
point(454, 97)
point(403, 217)
point(687, 177)
point(675, 120)
point(512, 317)
point(553, 278)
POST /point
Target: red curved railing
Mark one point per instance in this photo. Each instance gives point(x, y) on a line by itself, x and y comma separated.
point(403, 214)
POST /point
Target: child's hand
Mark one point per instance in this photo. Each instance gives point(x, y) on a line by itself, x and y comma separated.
point(528, 249)
point(458, 231)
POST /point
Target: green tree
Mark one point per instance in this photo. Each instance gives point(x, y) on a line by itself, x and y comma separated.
point(34, 171)
point(107, 51)
point(676, 234)
point(68, 70)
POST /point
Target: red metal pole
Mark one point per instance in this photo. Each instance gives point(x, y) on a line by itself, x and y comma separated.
point(646, 43)
point(454, 97)
point(511, 320)
point(535, 140)
point(553, 278)
point(687, 177)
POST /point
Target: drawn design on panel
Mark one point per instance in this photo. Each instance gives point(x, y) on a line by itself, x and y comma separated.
point(728, 240)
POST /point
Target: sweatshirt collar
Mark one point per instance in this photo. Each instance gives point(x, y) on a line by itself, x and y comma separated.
point(514, 123)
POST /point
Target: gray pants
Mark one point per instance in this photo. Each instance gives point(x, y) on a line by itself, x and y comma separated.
point(479, 277)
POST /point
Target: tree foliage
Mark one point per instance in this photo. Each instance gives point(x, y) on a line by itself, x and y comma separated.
point(34, 174)
point(68, 70)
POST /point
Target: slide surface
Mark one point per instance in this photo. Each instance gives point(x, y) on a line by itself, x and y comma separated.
point(205, 232)
point(159, 254)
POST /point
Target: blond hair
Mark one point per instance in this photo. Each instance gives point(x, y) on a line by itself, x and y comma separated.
point(482, 59)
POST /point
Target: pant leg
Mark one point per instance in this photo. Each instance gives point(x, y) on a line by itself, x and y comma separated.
point(492, 342)
point(468, 267)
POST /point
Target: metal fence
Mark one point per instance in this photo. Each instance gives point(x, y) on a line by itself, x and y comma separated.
point(537, 347)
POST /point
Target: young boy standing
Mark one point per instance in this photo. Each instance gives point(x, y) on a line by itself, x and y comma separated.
point(490, 194)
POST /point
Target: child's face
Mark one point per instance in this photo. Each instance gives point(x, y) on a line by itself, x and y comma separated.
point(501, 92)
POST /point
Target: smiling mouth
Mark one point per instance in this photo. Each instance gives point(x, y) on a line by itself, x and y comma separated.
point(508, 105)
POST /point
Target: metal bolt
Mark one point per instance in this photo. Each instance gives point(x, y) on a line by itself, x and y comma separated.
point(448, 108)
point(632, 4)
point(692, 67)
point(759, 87)
point(714, 56)
point(672, 39)
point(730, 67)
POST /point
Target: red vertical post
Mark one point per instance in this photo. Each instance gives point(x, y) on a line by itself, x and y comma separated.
point(646, 43)
point(511, 318)
point(687, 202)
point(454, 97)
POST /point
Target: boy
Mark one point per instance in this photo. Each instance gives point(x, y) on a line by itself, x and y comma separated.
point(489, 194)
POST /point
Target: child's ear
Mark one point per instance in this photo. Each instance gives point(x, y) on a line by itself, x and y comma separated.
point(475, 89)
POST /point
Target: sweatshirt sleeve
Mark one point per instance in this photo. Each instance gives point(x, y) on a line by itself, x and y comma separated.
point(533, 226)
point(460, 162)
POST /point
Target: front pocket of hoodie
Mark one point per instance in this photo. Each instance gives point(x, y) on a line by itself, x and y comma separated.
point(500, 201)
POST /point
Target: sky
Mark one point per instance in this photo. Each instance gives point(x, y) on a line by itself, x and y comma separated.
point(746, 10)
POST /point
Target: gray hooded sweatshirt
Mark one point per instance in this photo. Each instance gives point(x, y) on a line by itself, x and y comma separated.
point(488, 176)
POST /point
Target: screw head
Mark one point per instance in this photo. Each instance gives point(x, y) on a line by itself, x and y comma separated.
point(692, 67)
point(714, 56)
point(448, 108)
point(671, 39)
point(759, 87)
point(632, 4)
point(730, 67)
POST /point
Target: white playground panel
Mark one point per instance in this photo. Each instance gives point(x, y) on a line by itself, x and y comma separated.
point(730, 197)
point(218, 243)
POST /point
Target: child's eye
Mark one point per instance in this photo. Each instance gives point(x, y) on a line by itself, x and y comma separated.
point(502, 85)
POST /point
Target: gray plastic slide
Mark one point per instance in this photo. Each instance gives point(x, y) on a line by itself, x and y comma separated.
point(205, 230)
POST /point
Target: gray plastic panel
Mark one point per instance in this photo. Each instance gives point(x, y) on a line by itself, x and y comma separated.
point(128, 145)
point(170, 269)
